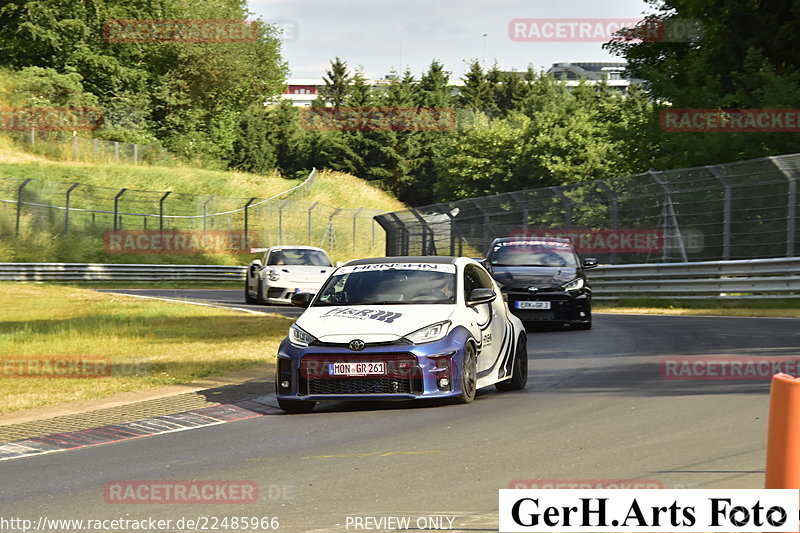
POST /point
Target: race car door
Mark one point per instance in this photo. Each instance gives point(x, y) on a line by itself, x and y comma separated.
point(488, 317)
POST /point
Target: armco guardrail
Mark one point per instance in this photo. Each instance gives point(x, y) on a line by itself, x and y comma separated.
point(757, 278)
point(98, 272)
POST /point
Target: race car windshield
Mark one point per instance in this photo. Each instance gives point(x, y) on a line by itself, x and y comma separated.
point(389, 287)
point(298, 257)
point(529, 255)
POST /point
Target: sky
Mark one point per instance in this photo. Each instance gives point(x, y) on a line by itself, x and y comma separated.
point(377, 36)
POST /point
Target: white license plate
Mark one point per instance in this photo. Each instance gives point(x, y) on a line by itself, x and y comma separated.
point(357, 369)
point(532, 305)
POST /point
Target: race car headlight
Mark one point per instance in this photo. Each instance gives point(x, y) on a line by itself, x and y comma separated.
point(273, 275)
point(573, 285)
point(431, 333)
point(300, 337)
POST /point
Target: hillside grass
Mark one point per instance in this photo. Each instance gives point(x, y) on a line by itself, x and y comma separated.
point(147, 343)
point(41, 239)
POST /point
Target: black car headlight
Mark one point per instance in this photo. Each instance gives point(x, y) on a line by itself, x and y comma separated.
point(574, 285)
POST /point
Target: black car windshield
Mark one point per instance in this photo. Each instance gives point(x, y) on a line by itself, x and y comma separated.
point(532, 253)
point(298, 256)
point(381, 286)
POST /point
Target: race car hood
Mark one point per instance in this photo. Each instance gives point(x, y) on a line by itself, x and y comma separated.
point(370, 323)
point(524, 277)
point(302, 273)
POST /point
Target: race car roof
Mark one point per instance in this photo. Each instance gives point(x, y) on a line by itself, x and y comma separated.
point(434, 259)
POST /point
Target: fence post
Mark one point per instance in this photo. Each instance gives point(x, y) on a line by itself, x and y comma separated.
point(94, 149)
point(19, 202)
point(355, 218)
point(205, 212)
point(726, 211)
point(280, 220)
point(670, 212)
point(135, 154)
point(791, 211)
point(33, 137)
point(161, 211)
point(116, 208)
point(75, 145)
point(246, 222)
point(308, 241)
point(116, 151)
point(66, 208)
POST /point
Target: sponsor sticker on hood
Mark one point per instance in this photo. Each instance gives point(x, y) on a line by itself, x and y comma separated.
point(362, 314)
point(431, 267)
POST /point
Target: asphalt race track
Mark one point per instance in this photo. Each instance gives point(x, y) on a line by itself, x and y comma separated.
point(596, 408)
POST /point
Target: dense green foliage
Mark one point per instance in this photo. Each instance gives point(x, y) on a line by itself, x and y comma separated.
point(187, 95)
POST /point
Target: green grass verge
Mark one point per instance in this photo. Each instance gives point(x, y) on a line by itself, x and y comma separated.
point(166, 343)
point(777, 307)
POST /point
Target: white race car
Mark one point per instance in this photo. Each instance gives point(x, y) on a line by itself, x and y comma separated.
point(283, 271)
point(398, 328)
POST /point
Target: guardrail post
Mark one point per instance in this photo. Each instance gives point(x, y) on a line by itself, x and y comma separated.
point(670, 213)
point(309, 221)
point(19, 202)
point(726, 213)
point(161, 211)
point(116, 208)
point(791, 211)
point(246, 224)
point(66, 208)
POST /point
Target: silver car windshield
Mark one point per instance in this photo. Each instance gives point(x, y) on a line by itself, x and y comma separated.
point(298, 256)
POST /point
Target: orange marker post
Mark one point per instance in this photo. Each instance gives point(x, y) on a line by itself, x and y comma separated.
point(783, 434)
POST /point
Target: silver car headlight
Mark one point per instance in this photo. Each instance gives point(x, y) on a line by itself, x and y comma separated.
point(431, 333)
point(574, 285)
point(273, 275)
point(300, 337)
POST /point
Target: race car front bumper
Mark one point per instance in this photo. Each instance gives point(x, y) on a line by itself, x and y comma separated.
point(430, 370)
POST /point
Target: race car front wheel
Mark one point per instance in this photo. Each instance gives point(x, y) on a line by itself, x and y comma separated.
point(469, 376)
point(519, 373)
point(296, 406)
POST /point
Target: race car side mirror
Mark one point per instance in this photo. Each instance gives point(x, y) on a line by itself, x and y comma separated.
point(481, 296)
point(589, 262)
point(301, 299)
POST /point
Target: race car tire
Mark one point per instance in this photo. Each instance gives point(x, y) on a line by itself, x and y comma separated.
point(469, 375)
point(296, 406)
point(519, 373)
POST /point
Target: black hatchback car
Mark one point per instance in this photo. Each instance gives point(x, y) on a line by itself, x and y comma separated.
point(543, 280)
